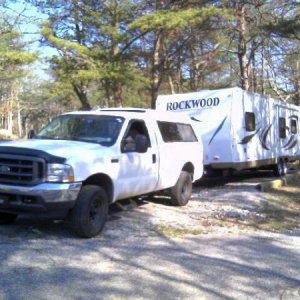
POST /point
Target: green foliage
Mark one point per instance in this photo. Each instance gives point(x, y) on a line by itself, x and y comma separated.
point(177, 19)
point(107, 51)
point(13, 56)
point(91, 39)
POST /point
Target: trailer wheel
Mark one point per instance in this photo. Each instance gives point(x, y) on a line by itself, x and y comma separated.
point(7, 218)
point(280, 169)
point(284, 167)
point(182, 190)
point(90, 212)
point(277, 169)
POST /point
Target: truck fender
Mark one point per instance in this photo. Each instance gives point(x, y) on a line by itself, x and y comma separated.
point(101, 180)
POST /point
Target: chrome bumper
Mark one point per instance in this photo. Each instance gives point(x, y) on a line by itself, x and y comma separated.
point(42, 197)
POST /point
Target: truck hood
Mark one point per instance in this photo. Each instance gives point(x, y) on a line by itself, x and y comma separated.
point(64, 149)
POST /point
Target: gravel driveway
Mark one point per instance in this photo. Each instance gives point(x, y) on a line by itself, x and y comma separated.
point(231, 242)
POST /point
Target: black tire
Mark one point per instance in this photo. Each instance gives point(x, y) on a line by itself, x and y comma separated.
point(182, 190)
point(277, 169)
point(284, 168)
point(7, 218)
point(280, 169)
point(90, 212)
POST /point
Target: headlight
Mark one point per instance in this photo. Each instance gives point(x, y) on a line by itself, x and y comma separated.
point(60, 173)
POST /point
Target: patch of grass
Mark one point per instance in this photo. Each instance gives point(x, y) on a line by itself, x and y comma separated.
point(278, 218)
point(274, 225)
point(172, 231)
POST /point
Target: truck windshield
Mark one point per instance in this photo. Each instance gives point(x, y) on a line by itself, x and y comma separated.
point(86, 128)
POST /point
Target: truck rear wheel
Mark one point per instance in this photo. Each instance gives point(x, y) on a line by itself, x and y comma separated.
point(7, 218)
point(182, 190)
point(90, 212)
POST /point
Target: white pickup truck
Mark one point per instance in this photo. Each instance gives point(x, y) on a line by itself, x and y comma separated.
point(83, 161)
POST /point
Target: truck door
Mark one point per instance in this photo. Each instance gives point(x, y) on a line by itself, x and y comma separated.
point(138, 171)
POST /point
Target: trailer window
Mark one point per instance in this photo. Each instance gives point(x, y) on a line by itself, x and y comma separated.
point(294, 127)
point(176, 132)
point(282, 128)
point(250, 121)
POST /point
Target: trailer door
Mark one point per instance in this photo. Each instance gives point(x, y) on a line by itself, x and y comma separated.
point(287, 131)
point(255, 138)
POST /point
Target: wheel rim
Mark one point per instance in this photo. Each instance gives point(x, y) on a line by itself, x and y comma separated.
point(284, 167)
point(95, 212)
point(185, 192)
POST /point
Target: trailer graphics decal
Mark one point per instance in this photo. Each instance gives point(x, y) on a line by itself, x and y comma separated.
point(293, 117)
point(195, 119)
point(292, 142)
point(263, 137)
point(217, 130)
point(248, 138)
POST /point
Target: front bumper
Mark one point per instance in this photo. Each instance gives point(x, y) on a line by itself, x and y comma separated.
point(40, 198)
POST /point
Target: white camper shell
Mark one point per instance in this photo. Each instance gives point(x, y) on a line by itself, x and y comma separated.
point(240, 129)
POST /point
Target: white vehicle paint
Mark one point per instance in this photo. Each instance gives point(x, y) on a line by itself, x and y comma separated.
point(240, 129)
point(112, 153)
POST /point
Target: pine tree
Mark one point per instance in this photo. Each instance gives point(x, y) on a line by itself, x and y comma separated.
point(94, 46)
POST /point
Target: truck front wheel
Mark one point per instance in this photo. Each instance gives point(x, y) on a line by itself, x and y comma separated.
point(90, 212)
point(182, 190)
point(6, 218)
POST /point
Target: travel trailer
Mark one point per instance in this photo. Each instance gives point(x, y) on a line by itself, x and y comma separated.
point(239, 129)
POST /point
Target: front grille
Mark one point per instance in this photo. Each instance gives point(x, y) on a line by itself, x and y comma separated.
point(21, 170)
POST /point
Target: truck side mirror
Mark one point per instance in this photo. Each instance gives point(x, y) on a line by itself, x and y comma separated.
point(141, 143)
point(31, 134)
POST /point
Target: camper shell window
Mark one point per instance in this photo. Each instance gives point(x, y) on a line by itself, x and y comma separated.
point(294, 127)
point(250, 121)
point(282, 128)
point(176, 132)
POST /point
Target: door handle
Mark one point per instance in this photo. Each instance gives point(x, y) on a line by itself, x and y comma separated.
point(153, 158)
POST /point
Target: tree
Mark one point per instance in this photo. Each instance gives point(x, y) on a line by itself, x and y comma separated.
point(13, 61)
point(94, 46)
point(170, 29)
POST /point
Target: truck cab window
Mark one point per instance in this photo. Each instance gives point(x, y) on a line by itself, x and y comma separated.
point(176, 132)
point(129, 141)
point(250, 121)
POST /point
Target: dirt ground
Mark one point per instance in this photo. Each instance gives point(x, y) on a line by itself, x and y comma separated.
point(230, 205)
point(216, 206)
point(232, 241)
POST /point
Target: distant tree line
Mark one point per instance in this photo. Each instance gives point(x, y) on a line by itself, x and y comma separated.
point(125, 53)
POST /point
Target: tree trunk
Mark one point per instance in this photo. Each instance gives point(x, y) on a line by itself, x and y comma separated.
point(156, 69)
point(297, 85)
point(19, 119)
point(193, 66)
point(118, 94)
point(81, 92)
point(117, 86)
point(10, 115)
point(242, 46)
point(253, 68)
